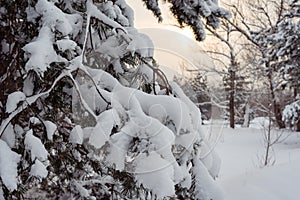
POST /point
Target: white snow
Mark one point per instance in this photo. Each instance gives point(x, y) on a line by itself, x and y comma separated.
point(50, 128)
point(8, 166)
point(128, 12)
point(205, 187)
point(9, 136)
point(13, 100)
point(241, 175)
point(92, 10)
point(1, 194)
point(76, 135)
point(147, 127)
point(259, 122)
point(154, 127)
point(66, 44)
point(56, 19)
point(156, 174)
point(83, 192)
point(35, 120)
point(38, 169)
point(291, 112)
point(18, 130)
point(35, 146)
point(140, 43)
point(119, 143)
point(100, 133)
point(41, 52)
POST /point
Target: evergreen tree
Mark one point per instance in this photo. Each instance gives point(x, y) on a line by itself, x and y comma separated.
point(196, 88)
point(266, 16)
point(202, 94)
point(79, 114)
point(283, 50)
point(193, 13)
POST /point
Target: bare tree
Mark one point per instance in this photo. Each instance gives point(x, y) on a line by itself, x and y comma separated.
point(264, 17)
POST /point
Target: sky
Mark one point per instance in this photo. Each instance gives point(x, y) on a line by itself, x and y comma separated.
point(174, 47)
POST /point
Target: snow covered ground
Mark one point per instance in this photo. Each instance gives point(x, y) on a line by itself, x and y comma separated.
point(241, 175)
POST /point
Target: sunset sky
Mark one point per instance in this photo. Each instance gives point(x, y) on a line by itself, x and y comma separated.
point(173, 46)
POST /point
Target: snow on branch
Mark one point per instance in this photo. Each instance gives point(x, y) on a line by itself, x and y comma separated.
point(93, 11)
point(27, 102)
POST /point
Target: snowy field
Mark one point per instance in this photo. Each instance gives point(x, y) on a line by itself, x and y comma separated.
point(242, 176)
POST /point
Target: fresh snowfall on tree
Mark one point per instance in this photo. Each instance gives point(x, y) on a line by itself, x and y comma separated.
point(88, 114)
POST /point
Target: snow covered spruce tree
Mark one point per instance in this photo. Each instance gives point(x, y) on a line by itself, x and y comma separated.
point(81, 115)
point(284, 51)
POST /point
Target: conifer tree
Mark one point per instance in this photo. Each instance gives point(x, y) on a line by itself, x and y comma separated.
point(80, 117)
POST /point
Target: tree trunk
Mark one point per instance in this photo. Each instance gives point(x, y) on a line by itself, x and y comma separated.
point(268, 141)
point(295, 97)
point(231, 98)
point(278, 115)
point(276, 106)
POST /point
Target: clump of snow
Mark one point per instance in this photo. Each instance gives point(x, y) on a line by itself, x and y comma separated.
point(119, 144)
point(180, 116)
point(41, 52)
point(100, 133)
point(18, 130)
point(66, 44)
point(192, 108)
point(93, 11)
point(35, 146)
point(291, 112)
point(13, 100)
point(140, 43)
point(38, 169)
point(50, 129)
point(9, 136)
point(127, 11)
point(205, 188)
point(5, 46)
point(55, 18)
point(8, 166)
point(35, 120)
point(260, 122)
point(1, 194)
point(83, 192)
point(76, 135)
point(156, 174)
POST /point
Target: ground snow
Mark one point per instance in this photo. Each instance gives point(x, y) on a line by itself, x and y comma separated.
point(241, 175)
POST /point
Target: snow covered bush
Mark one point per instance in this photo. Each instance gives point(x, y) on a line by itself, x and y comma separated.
point(291, 114)
point(81, 116)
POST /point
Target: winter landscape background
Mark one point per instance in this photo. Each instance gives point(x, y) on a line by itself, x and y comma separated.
point(109, 99)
